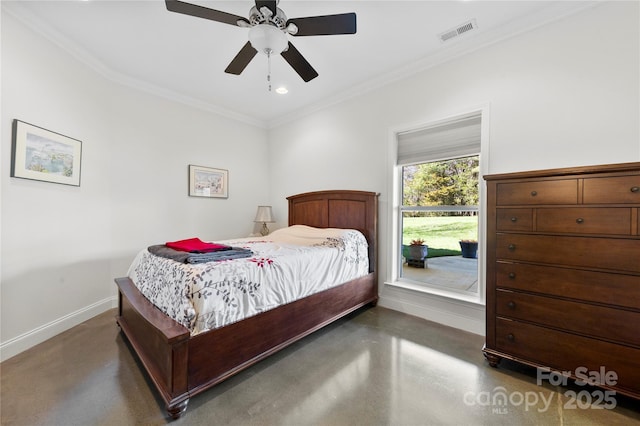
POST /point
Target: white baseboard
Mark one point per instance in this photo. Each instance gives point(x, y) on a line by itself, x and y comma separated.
point(31, 338)
point(465, 317)
point(468, 318)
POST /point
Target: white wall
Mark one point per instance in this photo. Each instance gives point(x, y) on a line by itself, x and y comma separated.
point(62, 245)
point(566, 94)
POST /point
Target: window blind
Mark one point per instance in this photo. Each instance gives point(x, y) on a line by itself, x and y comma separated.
point(457, 138)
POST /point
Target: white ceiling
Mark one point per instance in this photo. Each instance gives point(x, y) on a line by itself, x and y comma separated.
point(141, 44)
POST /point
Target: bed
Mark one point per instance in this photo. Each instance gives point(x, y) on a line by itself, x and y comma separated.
point(181, 364)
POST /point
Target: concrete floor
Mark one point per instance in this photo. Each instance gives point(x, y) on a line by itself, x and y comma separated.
point(376, 367)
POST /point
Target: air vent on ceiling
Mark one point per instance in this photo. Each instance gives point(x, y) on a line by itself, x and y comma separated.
point(460, 29)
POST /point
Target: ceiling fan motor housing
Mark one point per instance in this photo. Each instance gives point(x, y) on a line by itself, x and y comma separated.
point(265, 16)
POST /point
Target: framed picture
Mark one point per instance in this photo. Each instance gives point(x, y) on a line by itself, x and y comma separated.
point(208, 182)
point(40, 154)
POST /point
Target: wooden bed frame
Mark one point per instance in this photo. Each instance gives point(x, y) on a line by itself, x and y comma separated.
point(181, 366)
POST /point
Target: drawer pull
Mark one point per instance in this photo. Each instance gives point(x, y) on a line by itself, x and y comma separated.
point(512, 275)
point(512, 247)
point(511, 304)
point(579, 220)
point(514, 219)
point(534, 193)
point(635, 189)
point(511, 337)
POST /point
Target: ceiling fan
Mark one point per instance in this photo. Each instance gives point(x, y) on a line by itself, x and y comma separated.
point(269, 27)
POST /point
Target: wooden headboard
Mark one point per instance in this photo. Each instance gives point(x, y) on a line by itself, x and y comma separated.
point(339, 209)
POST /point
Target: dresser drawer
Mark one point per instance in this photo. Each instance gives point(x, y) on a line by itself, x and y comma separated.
point(601, 287)
point(622, 189)
point(514, 219)
point(538, 192)
point(596, 321)
point(600, 253)
point(566, 351)
point(584, 220)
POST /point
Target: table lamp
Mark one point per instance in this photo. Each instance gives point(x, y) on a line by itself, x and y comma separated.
point(265, 216)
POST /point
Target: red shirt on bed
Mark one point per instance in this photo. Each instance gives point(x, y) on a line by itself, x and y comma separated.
point(195, 245)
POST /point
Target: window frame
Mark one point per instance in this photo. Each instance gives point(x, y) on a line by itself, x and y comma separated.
point(394, 257)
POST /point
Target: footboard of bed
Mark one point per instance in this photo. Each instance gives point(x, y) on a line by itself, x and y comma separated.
point(181, 365)
point(162, 345)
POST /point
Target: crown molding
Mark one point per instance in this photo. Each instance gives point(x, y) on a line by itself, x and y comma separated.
point(45, 30)
point(458, 48)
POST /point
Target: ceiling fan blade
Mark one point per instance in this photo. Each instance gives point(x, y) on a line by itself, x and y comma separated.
point(272, 5)
point(242, 59)
point(344, 23)
point(203, 12)
point(299, 63)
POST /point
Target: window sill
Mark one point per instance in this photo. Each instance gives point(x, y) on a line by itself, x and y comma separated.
point(450, 294)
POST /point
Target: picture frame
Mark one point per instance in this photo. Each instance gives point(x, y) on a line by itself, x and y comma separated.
point(43, 155)
point(208, 182)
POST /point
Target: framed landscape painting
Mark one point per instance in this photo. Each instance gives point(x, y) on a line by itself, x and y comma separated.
point(208, 182)
point(40, 154)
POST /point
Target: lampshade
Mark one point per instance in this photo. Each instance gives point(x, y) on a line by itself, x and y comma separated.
point(264, 214)
point(266, 38)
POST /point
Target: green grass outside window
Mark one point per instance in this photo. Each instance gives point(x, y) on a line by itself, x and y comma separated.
point(440, 233)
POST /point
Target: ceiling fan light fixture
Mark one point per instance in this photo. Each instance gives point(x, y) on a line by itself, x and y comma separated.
point(268, 39)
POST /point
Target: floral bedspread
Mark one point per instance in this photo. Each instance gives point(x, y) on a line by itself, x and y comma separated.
point(287, 265)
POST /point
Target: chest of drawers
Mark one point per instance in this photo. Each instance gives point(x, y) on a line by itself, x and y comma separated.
point(563, 270)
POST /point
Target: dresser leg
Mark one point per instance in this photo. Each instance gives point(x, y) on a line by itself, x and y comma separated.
point(177, 410)
point(494, 360)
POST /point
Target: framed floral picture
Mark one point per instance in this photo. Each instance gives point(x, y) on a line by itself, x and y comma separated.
point(208, 182)
point(40, 154)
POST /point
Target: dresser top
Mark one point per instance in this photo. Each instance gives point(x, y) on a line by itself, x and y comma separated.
point(606, 168)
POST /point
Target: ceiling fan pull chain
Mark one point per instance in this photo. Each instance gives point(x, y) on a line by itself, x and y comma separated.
point(269, 69)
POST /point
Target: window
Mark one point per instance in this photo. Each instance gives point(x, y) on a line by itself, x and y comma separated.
point(438, 169)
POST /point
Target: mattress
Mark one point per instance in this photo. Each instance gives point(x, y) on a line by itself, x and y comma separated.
point(289, 264)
